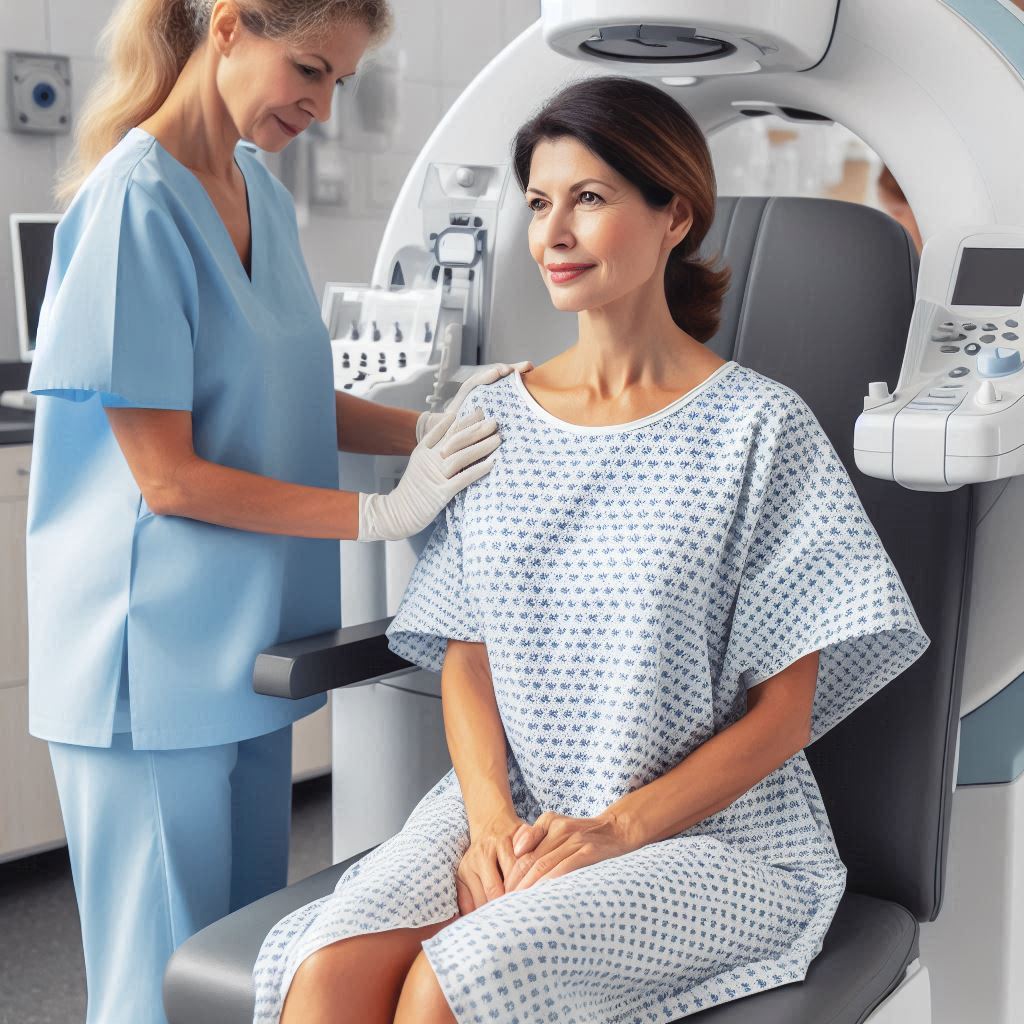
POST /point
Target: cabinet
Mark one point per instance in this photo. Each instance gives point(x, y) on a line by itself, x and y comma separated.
point(29, 810)
point(30, 819)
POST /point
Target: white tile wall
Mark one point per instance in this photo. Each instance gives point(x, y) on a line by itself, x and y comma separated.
point(445, 42)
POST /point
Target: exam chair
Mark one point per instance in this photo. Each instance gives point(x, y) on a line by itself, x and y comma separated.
point(820, 299)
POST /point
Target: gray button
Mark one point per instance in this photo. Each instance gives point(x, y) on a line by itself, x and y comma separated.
point(959, 371)
point(990, 327)
point(960, 337)
point(969, 327)
point(972, 349)
point(1012, 323)
point(1010, 336)
point(987, 338)
point(950, 348)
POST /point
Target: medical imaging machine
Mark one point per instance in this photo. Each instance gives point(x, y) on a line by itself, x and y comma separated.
point(915, 371)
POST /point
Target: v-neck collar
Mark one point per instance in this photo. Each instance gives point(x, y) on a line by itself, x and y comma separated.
point(250, 274)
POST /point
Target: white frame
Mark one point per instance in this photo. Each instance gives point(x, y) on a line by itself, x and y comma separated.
point(21, 311)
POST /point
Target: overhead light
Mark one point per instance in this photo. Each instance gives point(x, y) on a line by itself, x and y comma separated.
point(680, 80)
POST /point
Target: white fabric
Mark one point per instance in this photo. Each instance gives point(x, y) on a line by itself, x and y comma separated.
point(631, 582)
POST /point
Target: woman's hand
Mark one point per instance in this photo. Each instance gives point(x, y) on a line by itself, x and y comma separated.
point(486, 864)
point(488, 375)
point(554, 845)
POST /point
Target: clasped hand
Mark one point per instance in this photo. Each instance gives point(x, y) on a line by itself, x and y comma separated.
point(510, 855)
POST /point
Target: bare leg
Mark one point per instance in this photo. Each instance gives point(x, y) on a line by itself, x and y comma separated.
point(422, 1001)
point(355, 981)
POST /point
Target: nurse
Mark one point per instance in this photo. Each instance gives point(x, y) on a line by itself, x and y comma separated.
point(184, 509)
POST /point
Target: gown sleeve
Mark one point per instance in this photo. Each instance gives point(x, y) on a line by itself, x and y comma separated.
point(438, 604)
point(816, 577)
point(121, 306)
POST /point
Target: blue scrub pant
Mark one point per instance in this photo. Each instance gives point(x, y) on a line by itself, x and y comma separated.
point(163, 843)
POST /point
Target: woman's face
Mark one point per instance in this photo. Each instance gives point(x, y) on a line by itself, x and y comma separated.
point(593, 235)
point(273, 89)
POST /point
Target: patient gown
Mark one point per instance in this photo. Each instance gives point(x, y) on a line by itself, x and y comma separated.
point(631, 582)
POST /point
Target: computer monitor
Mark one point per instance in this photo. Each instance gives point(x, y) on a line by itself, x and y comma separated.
point(32, 247)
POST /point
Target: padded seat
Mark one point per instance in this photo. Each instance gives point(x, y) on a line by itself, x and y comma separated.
point(865, 954)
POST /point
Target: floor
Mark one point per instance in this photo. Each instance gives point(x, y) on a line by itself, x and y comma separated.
point(42, 974)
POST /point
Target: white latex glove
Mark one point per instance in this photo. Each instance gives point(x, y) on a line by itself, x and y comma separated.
point(440, 466)
point(486, 376)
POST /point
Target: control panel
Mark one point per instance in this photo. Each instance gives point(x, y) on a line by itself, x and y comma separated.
point(955, 416)
point(411, 339)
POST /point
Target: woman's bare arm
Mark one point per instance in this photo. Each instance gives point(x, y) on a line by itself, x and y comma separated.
point(174, 481)
point(476, 737)
point(370, 428)
point(776, 726)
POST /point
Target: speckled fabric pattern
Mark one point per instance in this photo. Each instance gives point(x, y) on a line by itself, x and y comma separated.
point(631, 582)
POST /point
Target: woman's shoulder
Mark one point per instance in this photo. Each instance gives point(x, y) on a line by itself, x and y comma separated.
point(764, 398)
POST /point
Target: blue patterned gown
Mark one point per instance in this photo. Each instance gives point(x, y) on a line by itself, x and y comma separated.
point(631, 582)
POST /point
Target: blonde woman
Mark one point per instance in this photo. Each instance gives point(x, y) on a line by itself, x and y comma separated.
point(184, 504)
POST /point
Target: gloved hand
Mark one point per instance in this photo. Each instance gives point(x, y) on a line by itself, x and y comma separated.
point(437, 471)
point(486, 376)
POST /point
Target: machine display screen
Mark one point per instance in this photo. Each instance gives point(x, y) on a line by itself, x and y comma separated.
point(990, 277)
point(36, 244)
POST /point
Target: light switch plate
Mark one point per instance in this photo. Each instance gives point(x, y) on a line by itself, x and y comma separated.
point(39, 93)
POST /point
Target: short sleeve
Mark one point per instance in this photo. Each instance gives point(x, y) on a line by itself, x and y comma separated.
point(438, 603)
point(815, 577)
point(121, 306)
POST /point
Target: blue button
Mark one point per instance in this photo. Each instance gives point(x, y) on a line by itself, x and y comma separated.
point(998, 362)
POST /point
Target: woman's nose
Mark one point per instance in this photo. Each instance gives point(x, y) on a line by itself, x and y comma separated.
point(558, 228)
point(322, 101)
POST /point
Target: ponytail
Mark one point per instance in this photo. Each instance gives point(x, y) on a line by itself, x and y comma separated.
point(147, 43)
point(695, 289)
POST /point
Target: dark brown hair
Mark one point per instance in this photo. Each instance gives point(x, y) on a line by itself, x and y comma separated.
point(648, 138)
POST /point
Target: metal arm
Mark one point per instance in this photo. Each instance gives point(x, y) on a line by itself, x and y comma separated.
point(316, 664)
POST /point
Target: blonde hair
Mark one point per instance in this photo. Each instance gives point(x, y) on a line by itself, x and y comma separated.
point(147, 43)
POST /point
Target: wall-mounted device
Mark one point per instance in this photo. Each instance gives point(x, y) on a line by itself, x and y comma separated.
point(39, 93)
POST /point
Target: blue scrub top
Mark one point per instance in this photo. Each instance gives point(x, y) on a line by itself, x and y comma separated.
point(149, 306)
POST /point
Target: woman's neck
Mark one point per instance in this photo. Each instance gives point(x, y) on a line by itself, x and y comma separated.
point(193, 124)
point(634, 342)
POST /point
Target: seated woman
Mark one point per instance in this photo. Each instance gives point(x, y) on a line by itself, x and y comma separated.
point(663, 591)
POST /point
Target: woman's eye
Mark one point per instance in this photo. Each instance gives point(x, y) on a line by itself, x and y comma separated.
point(308, 71)
point(593, 195)
point(532, 205)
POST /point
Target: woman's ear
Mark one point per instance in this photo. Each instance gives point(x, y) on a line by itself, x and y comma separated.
point(225, 26)
point(680, 221)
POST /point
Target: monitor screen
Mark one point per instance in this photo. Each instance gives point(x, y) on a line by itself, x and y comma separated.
point(35, 245)
point(990, 277)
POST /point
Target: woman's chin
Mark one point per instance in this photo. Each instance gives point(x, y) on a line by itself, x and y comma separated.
point(568, 303)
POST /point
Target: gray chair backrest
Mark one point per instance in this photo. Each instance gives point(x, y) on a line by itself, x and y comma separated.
point(820, 300)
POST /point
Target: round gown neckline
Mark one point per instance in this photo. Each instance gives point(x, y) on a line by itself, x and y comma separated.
point(580, 428)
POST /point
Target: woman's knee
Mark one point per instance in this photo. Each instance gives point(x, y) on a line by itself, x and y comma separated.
point(422, 1000)
point(365, 971)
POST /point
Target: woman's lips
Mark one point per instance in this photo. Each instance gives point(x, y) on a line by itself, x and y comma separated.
point(287, 129)
point(562, 276)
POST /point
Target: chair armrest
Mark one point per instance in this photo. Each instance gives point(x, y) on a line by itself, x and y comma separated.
point(316, 664)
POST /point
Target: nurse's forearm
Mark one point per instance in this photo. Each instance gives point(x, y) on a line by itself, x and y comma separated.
point(727, 765)
point(373, 429)
point(476, 737)
point(246, 501)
